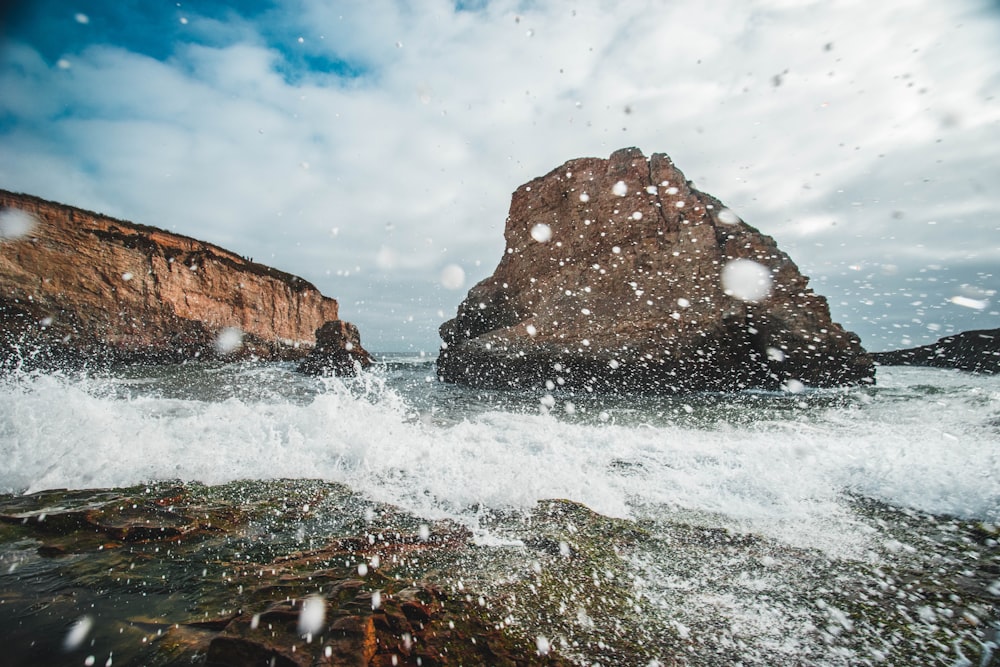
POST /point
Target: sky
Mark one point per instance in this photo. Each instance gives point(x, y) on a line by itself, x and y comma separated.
point(372, 147)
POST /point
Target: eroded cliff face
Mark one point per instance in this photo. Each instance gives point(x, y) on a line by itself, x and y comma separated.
point(88, 284)
point(614, 278)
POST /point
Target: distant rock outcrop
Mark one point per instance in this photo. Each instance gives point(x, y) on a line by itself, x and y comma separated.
point(338, 351)
point(77, 285)
point(619, 275)
point(976, 351)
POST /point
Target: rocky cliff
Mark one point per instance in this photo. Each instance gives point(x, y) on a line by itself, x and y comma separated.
point(619, 275)
point(975, 351)
point(80, 284)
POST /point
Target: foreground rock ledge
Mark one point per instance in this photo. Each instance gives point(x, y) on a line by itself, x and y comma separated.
point(612, 280)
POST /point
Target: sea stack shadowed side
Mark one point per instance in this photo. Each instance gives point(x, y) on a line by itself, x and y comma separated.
point(618, 275)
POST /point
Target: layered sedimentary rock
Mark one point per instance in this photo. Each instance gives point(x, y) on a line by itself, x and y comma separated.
point(976, 351)
point(79, 284)
point(337, 351)
point(619, 275)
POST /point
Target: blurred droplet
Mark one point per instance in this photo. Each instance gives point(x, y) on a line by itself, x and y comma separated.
point(584, 197)
point(793, 386)
point(386, 258)
point(15, 224)
point(727, 217)
point(424, 532)
point(746, 280)
point(229, 340)
point(542, 643)
point(620, 188)
point(967, 302)
point(452, 277)
point(541, 232)
point(82, 19)
point(78, 633)
point(312, 615)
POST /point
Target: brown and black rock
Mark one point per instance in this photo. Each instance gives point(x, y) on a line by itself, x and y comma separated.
point(611, 280)
point(338, 351)
point(975, 351)
point(79, 285)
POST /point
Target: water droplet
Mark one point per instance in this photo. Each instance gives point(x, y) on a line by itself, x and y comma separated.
point(637, 216)
point(774, 354)
point(793, 386)
point(531, 329)
point(683, 303)
point(229, 340)
point(620, 188)
point(584, 197)
point(614, 364)
point(127, 276)
point(541, 232)
point(746, 280)
point(543, 645)
point(616, 250)
point(727, 217)
point(82, 19)
point(78, 633)
point(966, 302)
point(452, 277)
point(312, 615)
point(424, 532)
point(362, 569)
point(376, 599)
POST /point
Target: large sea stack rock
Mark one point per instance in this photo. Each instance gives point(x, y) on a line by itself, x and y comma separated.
point(79, 285)
point(613, 279)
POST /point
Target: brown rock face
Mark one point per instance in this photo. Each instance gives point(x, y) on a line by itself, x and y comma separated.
point(79, 283)
point(338, 351)
point(618, 275)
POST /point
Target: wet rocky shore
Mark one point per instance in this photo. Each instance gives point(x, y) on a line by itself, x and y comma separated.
point(310, 573)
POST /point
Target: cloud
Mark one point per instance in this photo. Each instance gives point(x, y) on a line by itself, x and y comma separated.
point(841, 129)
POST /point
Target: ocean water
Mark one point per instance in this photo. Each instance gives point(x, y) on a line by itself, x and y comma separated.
point(776, 463)
point(800, 471)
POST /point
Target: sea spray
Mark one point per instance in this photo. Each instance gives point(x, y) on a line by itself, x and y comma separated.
point(777, 464)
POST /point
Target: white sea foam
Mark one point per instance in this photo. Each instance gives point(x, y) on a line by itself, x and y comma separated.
point(925, 439)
